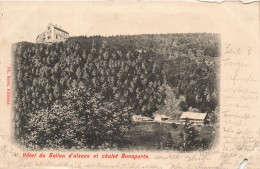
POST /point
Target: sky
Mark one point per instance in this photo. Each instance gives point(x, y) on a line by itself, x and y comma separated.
point(24, 21)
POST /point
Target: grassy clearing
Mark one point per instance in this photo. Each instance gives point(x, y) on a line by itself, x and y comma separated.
point(155, 136)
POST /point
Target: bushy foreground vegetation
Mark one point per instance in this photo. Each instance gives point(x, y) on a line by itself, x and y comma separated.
point(83, 93)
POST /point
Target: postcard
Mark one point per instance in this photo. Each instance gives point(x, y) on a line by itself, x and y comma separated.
point(128, 85)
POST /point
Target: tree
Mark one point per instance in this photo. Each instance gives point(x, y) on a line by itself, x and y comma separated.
point(173, 106)
point(188, 136)
point(169, 141)
point(82, 119)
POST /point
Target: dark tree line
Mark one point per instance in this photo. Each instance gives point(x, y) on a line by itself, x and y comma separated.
point(72, 94)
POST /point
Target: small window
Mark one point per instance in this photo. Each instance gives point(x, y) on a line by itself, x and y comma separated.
point(56, 36)
point(49, 37)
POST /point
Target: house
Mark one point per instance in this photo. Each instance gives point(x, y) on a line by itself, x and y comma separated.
point(161, 117)
point(140, 118)
point(197, 118)
point(52, 34)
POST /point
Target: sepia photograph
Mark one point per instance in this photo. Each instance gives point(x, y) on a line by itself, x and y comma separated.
point(146, 91)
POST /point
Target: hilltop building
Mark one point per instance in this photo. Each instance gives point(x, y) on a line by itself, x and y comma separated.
point(52, 34)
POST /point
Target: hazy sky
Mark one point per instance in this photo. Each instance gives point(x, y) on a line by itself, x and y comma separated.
point(23, 21)
point(26, 20)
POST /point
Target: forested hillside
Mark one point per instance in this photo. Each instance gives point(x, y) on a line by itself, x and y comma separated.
point(83, 93)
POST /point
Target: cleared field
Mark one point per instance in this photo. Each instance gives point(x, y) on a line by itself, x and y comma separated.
point(156, 136)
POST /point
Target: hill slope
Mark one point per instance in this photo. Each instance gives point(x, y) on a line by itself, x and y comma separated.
point(108, 79)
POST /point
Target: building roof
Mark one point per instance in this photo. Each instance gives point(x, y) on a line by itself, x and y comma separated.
point(164, 116)
point(141, 117)
point(137, 116)
point(40, 35)
point(59, 28)
point(161, 116)
point(192, 115)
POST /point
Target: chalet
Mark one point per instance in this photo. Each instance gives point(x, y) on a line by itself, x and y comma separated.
point(140, 118)
point(52, 34)
point(196, 118)
point(161, 117)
